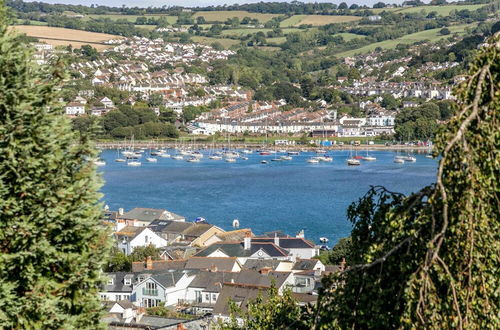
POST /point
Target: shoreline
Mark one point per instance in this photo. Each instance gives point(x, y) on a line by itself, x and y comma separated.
point(255, 146)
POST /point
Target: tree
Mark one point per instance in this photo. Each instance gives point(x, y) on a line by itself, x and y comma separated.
point(389, 102)
point(430, 260)
point(140, 253)
point(444, 31)
point(339, 252)
point(343, 5)
point(52, 246)
point(119, 262)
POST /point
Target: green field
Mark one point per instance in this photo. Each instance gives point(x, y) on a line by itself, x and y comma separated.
point(317, 20)
point(226, 43)
point(245, 31)
point(222, 16)
point(441, 10)
point(31, 22)
point(431, 35)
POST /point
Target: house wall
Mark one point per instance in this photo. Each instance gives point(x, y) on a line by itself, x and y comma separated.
point(114, 296)
point(304, 253)
point(207, 238)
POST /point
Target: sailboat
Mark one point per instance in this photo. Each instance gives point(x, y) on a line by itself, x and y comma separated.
point(352, 161)
point(369, 158)
point(99, 162)
point(119, 159)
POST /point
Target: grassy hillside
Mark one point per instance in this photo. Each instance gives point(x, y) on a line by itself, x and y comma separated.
point(317, 20)
point(226, 43)
point(431, 35)
point(130, 18)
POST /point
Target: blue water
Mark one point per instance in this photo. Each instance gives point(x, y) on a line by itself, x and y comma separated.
point(287, 196)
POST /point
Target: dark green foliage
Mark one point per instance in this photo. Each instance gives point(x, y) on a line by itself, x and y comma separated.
point(430, 260)
point(417, 123)
point(118, 262)
point(52, 247)
point(339, 252)
point(142, 252)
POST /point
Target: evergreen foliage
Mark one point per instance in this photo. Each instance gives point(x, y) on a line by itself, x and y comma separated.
point(51, 247)
point(428, 260)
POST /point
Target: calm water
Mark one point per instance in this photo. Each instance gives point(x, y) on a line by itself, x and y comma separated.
point(287, 196)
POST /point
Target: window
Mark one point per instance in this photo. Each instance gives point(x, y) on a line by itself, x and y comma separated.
point(214, 297)
point(118, 297)
point(126, 297)
point(104, 297)
point(128, 281)
point(150, 302)
point(145, 239)
point(110, 281)
point(207, 296)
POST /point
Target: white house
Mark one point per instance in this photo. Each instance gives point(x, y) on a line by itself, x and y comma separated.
point(130, 237)
point(166, 288)
point(107, 102)
point(74, 109)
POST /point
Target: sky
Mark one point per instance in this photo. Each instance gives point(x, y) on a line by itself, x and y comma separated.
point(193, 3)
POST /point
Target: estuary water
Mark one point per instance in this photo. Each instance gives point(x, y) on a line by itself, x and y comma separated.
point(287, 195)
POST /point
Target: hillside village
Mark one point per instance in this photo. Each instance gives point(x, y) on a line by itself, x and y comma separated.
point(153, 69)
point(201, 266)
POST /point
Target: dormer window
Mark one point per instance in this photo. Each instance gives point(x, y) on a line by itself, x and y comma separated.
point(111, 281)
point(127, 281)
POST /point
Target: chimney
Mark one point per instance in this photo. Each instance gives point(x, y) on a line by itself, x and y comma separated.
point(276, 239)
point(300, 234)
point(232, 280)
point(149, 263)
point(120, 211)
point(247, 241)
point(342, 265)
point(213, 268)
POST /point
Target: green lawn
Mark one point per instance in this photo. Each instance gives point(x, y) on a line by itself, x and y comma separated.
point(222, 16)
point(431, 35)
point(441, 10)
point(243, 32)
point(226, 43)
point(31, 22)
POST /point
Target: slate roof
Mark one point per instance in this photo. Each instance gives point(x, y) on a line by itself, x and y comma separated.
point(169, 226)
point(126, 304)
point(118, 282)
point(287, 242)
point(212, 281)
point(258, 264)
point(255, 278)
point(240, 294)
point(305, 264)
point(168, 279)
point(145, 322)
point(233, 249)
point(222, 264)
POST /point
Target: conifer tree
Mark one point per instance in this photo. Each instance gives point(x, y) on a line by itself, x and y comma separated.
point(51, 247)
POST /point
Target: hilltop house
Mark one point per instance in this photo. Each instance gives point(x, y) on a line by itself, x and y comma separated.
point(141, 217)
point(74, 109)
point(296, 247)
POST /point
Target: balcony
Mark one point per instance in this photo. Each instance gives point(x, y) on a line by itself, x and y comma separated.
point(150, 292)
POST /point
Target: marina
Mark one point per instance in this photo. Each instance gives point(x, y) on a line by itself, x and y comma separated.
point(303, 192)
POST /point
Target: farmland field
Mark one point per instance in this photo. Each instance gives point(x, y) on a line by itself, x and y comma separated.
point(222, 16)
point(245, 31)
point(208, 41)
point(317, 20)
point(276, 41)
point(62, 37)
point(130, 18)
point(349, 36)
point(432, 35)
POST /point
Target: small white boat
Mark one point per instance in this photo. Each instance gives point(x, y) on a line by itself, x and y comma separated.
point(177, 157)
point(197, 154)
point(369, 158)
point(324, 158)
point(134, 163)
point(321, 151)
point(244, 158)
point(323, 240)
point(193, 160)
point(246, 151)
point(230, 160)
point(120, 160)
point(353, 162)
point(286, 157)
point(263, 161)
point(151, 159)
point(410, 159)
point(164, 155)
point(99, 162)
point(313, 161)
point(429, 156)
point(293, 153)
point(215, 157)
point(399, 160)
point(276, 160)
